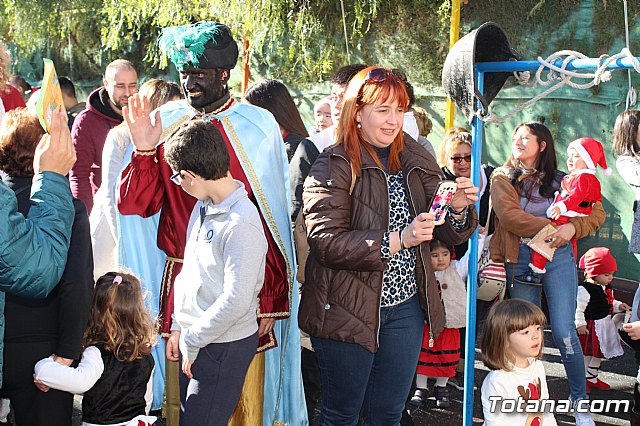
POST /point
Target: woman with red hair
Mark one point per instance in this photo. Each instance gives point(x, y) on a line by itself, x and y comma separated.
point(368, 284)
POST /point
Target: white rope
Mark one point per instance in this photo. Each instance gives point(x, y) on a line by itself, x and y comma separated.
point(557, 77)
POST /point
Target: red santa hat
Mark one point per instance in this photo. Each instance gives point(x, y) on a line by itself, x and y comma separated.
point(592, 152)
point(597, 261)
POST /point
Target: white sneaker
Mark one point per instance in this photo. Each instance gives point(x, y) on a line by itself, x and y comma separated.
point(584, 419)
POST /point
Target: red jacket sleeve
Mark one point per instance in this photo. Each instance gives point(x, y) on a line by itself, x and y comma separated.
point(140, 190)
point(83, 138)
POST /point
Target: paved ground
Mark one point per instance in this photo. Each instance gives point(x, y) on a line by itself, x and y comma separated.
point(619, 373)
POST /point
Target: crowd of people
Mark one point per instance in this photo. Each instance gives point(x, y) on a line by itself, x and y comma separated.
point(171, 250)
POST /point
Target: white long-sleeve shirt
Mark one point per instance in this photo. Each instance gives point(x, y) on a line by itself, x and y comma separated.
point(527, 384)
point(82, 378)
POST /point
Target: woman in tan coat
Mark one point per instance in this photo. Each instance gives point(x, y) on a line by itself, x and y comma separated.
point(521, 192)
point(368, 278)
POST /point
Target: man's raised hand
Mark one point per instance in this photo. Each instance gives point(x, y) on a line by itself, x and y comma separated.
point(144, 135)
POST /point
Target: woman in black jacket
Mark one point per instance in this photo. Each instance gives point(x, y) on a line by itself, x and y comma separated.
point(35, 329)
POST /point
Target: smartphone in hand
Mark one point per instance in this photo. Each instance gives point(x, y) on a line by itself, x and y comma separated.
point(442, 200)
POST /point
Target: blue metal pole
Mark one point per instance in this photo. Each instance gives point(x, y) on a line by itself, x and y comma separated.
point(472, 279)
point(476, 157)
point(575, 64)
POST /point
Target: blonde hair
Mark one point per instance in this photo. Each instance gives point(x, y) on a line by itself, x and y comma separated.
point(159, 92)
point(507, 317)
point(5, 64)
point(118, 321)
point(625, 133)
point(453, 138)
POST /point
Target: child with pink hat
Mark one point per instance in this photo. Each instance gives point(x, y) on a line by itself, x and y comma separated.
point(595, 306)
point(579, 190)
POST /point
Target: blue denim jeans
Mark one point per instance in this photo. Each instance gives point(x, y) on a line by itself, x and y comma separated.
point(354, 378)
point(560, 285)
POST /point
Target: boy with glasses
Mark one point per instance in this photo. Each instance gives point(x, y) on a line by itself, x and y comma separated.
point(216, 294)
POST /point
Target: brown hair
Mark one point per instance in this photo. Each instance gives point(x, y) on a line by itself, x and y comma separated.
point(361, 92)
point(453, 138)
point(274, 96)
point(20, 133)
point(159, 92)
point(546, 167)
point(625, 133)
point(423, 121)
point(506, 317)
point(118, 321)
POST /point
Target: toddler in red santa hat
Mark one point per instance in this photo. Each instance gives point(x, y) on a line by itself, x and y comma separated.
point(579, 190)
point(597, 331)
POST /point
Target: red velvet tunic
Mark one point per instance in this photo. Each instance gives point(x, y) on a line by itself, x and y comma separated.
point(579, 188)
point(145, 188)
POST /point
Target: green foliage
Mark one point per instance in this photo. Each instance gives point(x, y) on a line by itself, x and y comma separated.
point(303, 41)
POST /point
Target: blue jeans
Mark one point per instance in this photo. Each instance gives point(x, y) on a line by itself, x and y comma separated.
point(354, 378)
point(560, 285)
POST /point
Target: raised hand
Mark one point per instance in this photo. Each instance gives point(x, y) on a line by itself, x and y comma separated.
point(55, 152)
point(465, 195)
point(137, 114)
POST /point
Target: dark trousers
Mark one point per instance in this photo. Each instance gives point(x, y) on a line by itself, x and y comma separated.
point(353, 377)
point(209, 398)
point(30, 406)
point(311, 381)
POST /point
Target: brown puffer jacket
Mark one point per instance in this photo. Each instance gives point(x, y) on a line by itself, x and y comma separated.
point(343, 275)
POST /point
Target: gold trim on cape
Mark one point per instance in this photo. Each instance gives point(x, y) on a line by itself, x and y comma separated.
point(262, 199)
point(179, 122)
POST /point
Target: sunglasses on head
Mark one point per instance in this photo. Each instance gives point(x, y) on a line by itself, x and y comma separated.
point(458, 159)
point(379, 75)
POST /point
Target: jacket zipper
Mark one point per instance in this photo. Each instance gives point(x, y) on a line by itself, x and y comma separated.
point(431, 339)
point(384, 175)
point(426, 291)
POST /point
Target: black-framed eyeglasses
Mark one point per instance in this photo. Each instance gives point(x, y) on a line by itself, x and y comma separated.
point(177, 176)
point(458, 159)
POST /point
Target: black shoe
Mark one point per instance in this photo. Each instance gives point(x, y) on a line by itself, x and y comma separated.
point(442, 397)
point(529, 278)
point(419, 397)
